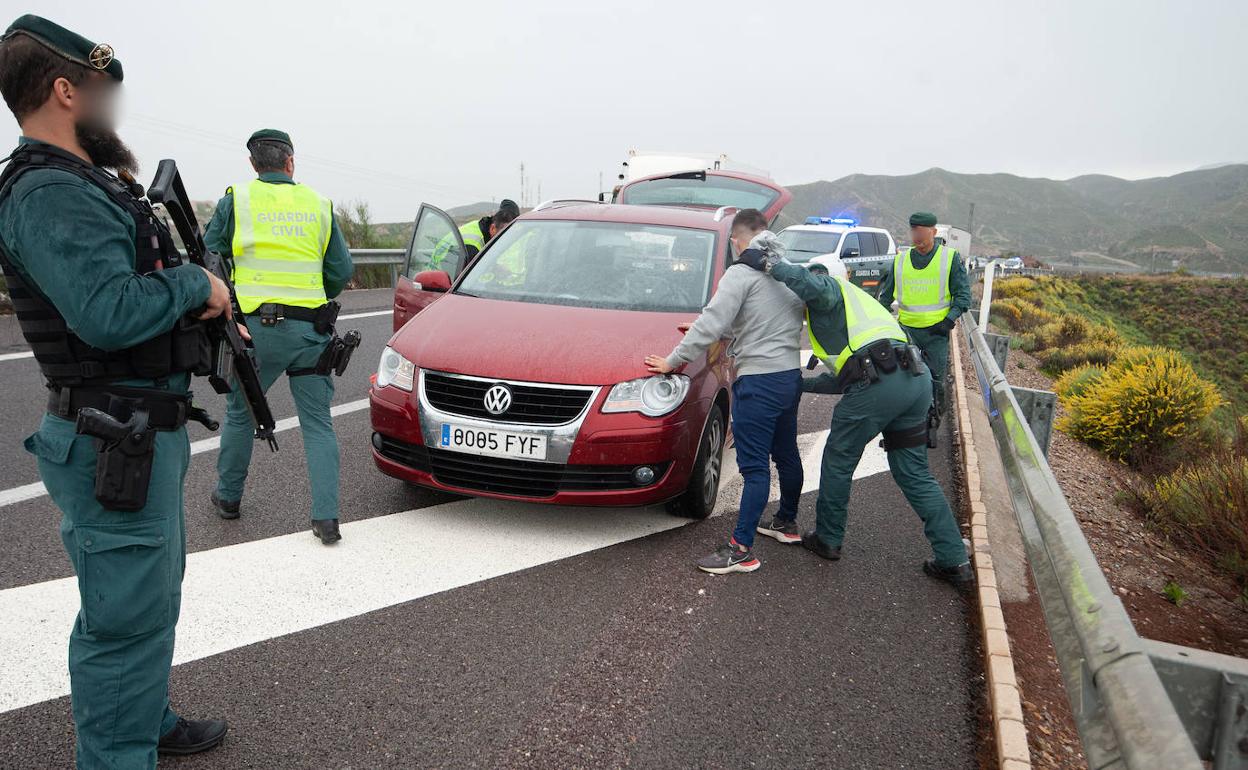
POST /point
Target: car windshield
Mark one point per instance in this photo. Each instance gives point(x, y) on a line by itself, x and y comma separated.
point(700, 189)
point(804, 245)
point(596, 264)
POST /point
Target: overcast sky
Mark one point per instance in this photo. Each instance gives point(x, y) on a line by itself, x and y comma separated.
point(402, 102)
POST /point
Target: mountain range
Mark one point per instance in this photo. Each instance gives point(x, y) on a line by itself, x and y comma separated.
point(1197, 220)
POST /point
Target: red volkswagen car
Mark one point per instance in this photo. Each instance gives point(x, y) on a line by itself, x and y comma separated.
point(520, 375)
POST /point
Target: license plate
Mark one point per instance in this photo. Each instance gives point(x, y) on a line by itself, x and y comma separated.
point(494, 443)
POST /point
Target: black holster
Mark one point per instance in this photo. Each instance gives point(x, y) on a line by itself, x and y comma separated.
point(334, 358)
point(907, 438)
point(326, 317)
point(125, 453)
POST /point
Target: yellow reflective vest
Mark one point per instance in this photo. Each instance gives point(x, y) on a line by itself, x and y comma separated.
point(866, 321)
point(281, 232)
point(923, 297)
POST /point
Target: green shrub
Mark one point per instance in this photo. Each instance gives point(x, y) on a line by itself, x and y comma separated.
point(1208, 504)
point(1068, 330)
point(1007, 311)
point(1063, 359)
point(1018, 286)
point(1147, 400)
point(1076, 380)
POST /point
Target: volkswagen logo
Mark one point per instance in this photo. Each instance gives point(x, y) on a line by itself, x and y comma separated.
point(497, 399)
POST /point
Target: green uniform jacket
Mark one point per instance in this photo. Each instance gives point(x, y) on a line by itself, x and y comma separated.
point(822, 295)
point(337, 268)
point(77, 246)
point(959, 284)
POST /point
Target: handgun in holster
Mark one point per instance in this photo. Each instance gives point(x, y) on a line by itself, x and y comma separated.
point(334, 358)
point(125, 452)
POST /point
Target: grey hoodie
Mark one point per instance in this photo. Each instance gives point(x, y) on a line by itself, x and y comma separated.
point(760, 314)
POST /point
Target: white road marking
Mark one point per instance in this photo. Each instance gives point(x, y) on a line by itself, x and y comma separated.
point(246, 593)
point(31, 491)
point(348, 317)
point(369, 314)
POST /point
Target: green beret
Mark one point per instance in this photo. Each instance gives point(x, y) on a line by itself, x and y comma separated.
point(70, 45)
point(271, 135)
point(922, 219)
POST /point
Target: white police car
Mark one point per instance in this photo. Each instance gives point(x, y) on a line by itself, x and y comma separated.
point(861, 254)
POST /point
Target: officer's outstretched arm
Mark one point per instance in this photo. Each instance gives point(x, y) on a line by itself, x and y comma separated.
point(824, 384)
point(819, 292)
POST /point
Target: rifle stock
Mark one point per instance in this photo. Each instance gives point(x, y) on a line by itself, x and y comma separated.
point(234, 357)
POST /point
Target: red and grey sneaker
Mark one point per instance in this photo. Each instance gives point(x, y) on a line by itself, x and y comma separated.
point(783, 530)
point(729, 557)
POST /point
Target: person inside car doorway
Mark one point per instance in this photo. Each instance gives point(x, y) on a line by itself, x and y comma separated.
point(765, 321)
point(476, 234)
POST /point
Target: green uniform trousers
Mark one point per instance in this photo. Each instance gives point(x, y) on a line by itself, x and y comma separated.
point(129, 568)
point(290, 344)
point(936, 347)
point(895, 402)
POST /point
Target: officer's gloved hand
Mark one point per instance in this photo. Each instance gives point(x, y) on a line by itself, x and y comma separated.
point(944, 326)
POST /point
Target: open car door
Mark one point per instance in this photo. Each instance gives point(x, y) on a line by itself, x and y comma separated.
point(708, 189)
point(434, 258)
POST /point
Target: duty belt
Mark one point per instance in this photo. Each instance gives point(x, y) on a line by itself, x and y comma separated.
point(276, 311)
point(166, 411)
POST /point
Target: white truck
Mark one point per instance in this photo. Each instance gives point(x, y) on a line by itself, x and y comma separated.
point(957, 238)
point(642, 163)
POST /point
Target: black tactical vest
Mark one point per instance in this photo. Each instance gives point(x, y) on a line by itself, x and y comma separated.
point(66, 360)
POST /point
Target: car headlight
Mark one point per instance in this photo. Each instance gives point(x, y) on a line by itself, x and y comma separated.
point(652, 396)
point(394, 369)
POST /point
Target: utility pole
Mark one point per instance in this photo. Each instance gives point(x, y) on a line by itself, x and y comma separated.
point(970, 220)
point(523, 201)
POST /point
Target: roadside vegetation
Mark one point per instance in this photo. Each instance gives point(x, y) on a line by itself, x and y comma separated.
point(1152, 372)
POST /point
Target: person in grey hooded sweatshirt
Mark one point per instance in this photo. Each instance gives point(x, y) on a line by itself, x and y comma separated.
point(765, 321)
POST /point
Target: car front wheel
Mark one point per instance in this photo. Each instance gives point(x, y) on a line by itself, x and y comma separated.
point(698, 499)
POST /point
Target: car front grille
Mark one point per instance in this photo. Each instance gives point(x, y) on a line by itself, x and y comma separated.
point(505, 476)
point(530, 404)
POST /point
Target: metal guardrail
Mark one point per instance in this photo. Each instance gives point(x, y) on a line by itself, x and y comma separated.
point(1138, 704)
point(392, 257)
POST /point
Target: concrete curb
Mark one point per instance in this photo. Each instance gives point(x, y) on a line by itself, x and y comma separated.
point(1003, 693)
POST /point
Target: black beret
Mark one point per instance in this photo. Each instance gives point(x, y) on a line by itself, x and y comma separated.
point(922, 219)
point(69, 45)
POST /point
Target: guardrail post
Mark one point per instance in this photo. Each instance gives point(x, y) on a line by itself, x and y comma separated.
point(1000, 344)
point(1037, 407)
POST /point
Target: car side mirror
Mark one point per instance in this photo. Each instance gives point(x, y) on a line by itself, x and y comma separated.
point(433, 280)
point(849, 253)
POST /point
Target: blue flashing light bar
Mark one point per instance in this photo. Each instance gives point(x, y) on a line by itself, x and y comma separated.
point(832, 221)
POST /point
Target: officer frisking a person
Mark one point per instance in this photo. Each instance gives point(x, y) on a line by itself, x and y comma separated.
point(932, 291)
point(115, 322)
point(290, 261)
point(886, 388)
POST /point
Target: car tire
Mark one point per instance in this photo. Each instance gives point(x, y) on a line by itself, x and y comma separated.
point(698, 499)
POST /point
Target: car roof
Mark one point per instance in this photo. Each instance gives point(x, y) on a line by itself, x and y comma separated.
point(624, 213)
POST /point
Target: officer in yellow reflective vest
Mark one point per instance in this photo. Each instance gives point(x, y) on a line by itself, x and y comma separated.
point(475, 235)
point(290, 259)
point(886, 389)
point(930, 285)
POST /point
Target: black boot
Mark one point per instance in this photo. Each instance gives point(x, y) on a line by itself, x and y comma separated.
point(961, 575)
point(812, 543)
point(326, 530)
point(225, 508)
point(191, 736)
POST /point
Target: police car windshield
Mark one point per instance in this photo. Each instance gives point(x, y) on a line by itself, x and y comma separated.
point(596, 264)
point(804, 245)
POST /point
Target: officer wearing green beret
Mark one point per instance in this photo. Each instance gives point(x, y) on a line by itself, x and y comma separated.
point(109, 311)
point(290, 260)
point(929, 282)
point(886, 389)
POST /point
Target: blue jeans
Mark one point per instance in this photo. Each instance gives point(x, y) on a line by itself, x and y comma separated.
point(764, 426)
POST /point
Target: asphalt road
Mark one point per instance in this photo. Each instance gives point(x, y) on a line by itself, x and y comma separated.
point(445, 632)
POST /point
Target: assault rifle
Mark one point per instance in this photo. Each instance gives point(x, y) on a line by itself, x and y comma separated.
point(234, 358)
